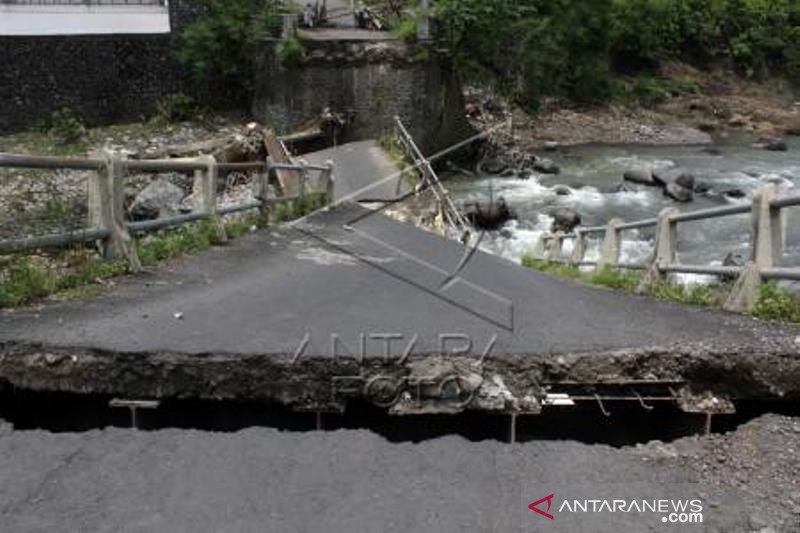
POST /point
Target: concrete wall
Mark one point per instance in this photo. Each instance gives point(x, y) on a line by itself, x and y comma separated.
point(369, 82)
point(104, 78)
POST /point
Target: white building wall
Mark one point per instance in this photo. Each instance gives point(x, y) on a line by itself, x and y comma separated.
point(21, 19)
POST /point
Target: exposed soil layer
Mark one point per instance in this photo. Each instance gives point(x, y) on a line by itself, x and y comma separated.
point(699, 377)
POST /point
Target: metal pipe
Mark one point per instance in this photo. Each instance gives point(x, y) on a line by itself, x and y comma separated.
point(163, 165)
point(287, 166)
point(714, 212)
point(241, 207)
point(161, 223)
point(647, 223)
point(631, 266)
point(703, 269)
point(233, 167)
point(39, 161)
point(781, 273)
point(52, 241)
point(785, 201)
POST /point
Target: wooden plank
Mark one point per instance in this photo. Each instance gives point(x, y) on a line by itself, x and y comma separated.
point(289, 180)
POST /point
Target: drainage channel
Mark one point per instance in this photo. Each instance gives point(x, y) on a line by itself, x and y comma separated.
point(615, 424)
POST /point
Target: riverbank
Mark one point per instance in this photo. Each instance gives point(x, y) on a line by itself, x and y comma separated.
point(679, 105)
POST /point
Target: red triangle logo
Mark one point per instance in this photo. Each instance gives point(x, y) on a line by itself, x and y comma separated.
point(534, 506)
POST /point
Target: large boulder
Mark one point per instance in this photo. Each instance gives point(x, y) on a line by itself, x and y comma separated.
point(565, 219)
point(773, 144)
point(159, 199)
point(640, 175)
point(488, 216)
point(678, 184)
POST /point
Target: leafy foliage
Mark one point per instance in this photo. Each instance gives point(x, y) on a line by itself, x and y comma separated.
point(776, 304)
point(291, 51)
point(64, 126)
point(533, 49)
point(177, 107)
point(220, 46)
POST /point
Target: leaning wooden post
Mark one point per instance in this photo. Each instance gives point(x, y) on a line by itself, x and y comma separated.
point(609, 250)
point(665, 246)
point(578, 248)
point(204, 194)
point(107, 210)
point(330, 183)
point(766, 248)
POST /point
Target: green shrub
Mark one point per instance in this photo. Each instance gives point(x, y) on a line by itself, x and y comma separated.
point(64, 126)
point(774, 303)
point(693, 294)
point(405, 29)
point(291, 51)
point(177, 107)
point(21, 281)
point(220, 47)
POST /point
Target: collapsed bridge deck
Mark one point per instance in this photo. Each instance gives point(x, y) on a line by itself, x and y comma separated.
point(290, 314)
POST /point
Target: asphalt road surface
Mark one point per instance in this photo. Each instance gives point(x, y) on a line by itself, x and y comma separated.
point(266, 292)
point(261, 479)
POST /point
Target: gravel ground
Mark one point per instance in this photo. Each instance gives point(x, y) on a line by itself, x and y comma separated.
point(261, 479)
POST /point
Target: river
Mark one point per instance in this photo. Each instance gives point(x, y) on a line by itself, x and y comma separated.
point(590, 171)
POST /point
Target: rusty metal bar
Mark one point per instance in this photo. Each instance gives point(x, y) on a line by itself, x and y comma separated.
point(52, 241)
point(49, 162)
point(714, 212)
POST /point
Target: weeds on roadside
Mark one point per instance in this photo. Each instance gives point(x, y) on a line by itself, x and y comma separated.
point(616, 279)
point(80, 273)
point(774, 303)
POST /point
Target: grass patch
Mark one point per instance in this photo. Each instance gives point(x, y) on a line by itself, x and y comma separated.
point(774, 303)
point(394, 148)
point(628, 281)
point(80, 273)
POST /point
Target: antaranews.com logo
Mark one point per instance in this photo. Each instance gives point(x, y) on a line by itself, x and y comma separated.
point(671, 511)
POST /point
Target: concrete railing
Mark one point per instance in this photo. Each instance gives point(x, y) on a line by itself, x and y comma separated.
point(106, 194)
point(767, 242)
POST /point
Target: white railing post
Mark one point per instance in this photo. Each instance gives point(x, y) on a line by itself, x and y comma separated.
point(261, 189)
point(665, 247)
point(578, 248)
point(766, 247)
point(556, 247)
point(609, 250)
point(204, 194)
point(106, 202)
point(330, 183)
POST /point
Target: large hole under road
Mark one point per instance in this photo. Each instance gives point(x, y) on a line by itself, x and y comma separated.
point(622, 423)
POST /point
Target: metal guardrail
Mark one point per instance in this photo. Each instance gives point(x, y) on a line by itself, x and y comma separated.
point(107, 225)
point(767, 245)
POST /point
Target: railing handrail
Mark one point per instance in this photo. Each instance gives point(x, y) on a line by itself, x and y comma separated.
point(767, 247)
point(107, 222)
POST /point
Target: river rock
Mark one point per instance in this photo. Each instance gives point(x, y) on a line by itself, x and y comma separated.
point(773, 144)
point(546, 166)
point(679, 193)
point(734, 259)
point(160, 198)
point(493, 166)
point(640, 175)
point(702, 188)
point(488, 216)
point(734, 193)
point(565, 219)
point(562, 190)
point(551, 146)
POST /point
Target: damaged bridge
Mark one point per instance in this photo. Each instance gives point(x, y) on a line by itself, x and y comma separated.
point(351, 306)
